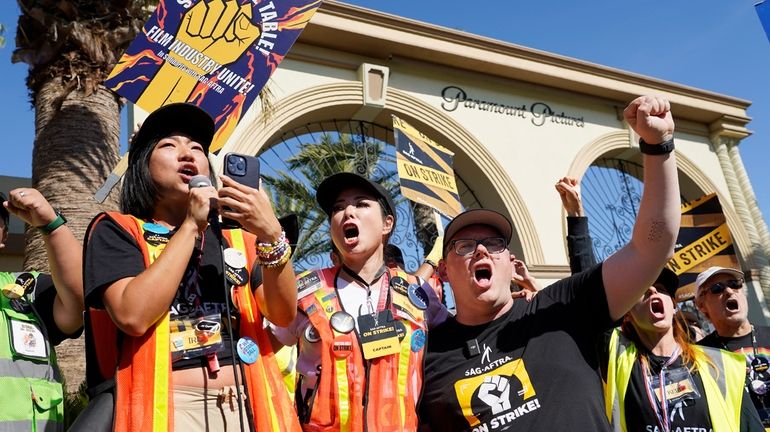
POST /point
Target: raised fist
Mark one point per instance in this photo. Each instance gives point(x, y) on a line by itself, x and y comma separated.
point(650, 117)
point(495, 391)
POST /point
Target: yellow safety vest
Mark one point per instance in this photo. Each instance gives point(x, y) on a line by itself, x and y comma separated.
point(724, 390)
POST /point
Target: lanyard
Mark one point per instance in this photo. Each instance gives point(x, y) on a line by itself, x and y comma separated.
point(384, 287)
point(660, 413)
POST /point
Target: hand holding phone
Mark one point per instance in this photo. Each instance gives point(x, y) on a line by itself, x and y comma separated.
point(242, 169)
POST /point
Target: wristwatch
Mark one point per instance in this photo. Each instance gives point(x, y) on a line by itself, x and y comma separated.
point(54, 224)
point(656, 149)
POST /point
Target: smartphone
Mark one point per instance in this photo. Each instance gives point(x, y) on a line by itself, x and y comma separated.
point(243, 169)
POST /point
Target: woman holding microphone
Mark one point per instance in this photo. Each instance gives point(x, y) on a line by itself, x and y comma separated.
point(174, 324)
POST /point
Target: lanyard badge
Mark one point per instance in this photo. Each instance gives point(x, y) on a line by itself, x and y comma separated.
point(378, 334)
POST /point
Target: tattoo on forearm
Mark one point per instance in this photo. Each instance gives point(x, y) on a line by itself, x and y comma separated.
point(656, 231)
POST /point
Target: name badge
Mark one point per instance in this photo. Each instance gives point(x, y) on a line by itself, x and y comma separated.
point(378, 334)
point(307, 284)
point(27, 339)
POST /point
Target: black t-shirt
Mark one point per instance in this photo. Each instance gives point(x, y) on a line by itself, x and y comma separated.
point(113, 254)
point(534, 368)
point(743, 345)
point(688, 410)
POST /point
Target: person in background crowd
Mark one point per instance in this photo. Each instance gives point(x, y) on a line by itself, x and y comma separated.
point(394, 259)
point(653, 355)
point(174, 328)
point(721, 296)
point(38, 311)
point(533, 365)
point(579, 243)
point(361, 327)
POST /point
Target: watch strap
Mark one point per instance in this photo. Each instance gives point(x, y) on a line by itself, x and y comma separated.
point(54, 224)
point(665, 147)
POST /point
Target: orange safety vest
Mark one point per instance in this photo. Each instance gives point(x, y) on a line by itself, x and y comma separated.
point(141, 366)
point(352, 394)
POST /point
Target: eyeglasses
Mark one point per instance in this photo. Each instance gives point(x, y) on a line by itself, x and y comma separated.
point(720, 287)
point(465, 247)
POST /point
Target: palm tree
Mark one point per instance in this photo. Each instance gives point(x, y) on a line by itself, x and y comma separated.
point(294, 191)
point(70, 47)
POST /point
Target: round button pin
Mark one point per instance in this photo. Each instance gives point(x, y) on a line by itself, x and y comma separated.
point(247, 349)
point(418, 297)
point(235, 258)
point(342, 321)
point(399, 284)
point(155, 228)
point(418, 340)
point(27, 281)
point(342, 346)
point(311, 335)
point(236, 276)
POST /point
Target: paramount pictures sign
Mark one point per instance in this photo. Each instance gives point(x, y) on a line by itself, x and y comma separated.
point(538, 113)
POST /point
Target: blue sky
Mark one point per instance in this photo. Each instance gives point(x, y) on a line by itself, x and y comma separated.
point(715, 45)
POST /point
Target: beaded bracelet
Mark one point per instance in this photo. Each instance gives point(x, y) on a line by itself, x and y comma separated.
point(268, 248)
point(283, 259)
point(274, 254)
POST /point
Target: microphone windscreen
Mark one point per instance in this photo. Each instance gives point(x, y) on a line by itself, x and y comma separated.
point(199, 181)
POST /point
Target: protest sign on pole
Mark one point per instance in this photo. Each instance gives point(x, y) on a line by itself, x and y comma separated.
point(763, 10)
point(217, 54)
point(425, 170)
point(703, 241)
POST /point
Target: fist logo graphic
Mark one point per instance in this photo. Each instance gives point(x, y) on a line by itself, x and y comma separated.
point(495, 392)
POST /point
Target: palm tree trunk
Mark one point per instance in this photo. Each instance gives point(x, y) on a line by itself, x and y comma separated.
point(76, 146)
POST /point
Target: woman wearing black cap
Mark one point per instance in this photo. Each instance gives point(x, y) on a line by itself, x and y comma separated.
point(175, 320)
point(658, 380)
point(361, 328)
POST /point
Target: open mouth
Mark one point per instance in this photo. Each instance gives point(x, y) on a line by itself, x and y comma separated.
point(732, 305)
point(482, 274)
point(656, 307)
point(188, 171)
point(350, 231)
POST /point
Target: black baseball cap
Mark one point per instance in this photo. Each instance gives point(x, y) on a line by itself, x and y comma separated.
point(181, 117)
point(478, 217)
point(669, 280)
point(329, 189)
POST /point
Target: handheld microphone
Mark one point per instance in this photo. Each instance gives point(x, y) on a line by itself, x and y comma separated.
point(198, 181)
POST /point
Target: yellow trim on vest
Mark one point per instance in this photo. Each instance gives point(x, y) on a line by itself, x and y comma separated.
point(236, 238)
point(160, 392)
point(724, 409)
point(403, 369)
point(340, 366)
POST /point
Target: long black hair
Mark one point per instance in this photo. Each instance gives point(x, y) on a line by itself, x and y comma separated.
point(139, 193)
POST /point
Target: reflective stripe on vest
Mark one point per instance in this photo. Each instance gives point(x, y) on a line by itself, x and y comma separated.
point(723, 386)
point(33, 396)
point(394, 381)
point(144, 401)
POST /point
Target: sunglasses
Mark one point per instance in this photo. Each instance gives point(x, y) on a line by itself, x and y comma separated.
point(465, 247)
point(720, 287)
